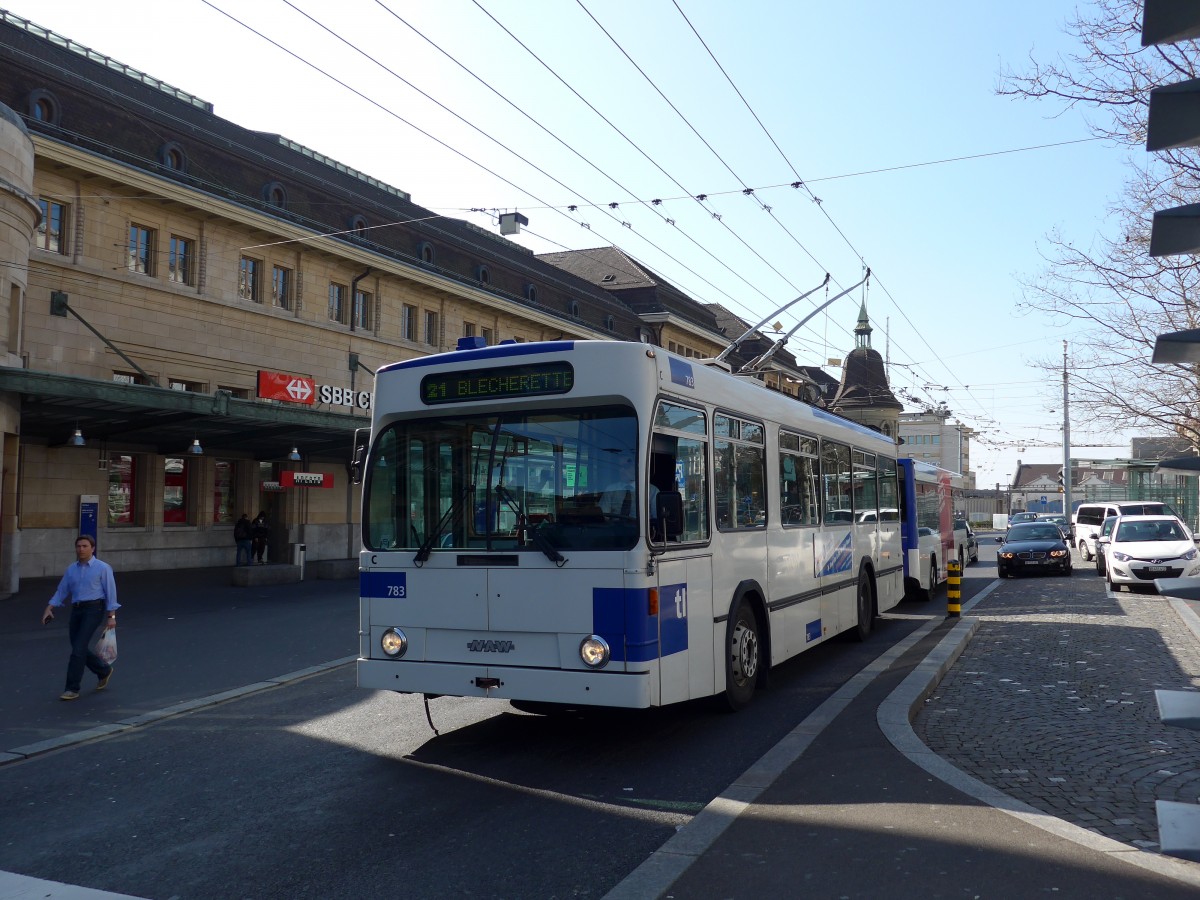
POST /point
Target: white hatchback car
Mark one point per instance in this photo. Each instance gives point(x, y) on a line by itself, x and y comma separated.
point(1142, 548)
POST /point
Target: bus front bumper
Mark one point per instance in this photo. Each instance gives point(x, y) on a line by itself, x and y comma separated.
point(618, 689)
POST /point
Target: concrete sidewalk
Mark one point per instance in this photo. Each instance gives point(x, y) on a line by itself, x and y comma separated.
point(1016, 753)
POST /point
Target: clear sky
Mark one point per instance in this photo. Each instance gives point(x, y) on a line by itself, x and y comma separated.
point(860, 100)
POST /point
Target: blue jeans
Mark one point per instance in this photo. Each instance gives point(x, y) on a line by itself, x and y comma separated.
point(243, 549)
point(85, 619)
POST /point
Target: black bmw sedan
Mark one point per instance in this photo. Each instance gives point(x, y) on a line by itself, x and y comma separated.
point(1031, 547)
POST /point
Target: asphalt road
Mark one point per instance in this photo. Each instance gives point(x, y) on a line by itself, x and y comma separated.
point(317, 788)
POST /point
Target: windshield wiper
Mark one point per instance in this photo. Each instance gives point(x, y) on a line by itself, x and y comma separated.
point(451, 512)
point(534, 535)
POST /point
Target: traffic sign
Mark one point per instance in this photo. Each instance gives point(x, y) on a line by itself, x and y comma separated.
point(289, 388)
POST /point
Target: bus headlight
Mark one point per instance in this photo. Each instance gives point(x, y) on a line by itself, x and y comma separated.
point(594, 651)
point(393, 642)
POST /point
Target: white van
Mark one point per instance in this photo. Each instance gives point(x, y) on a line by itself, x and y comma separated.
point(1088, 517)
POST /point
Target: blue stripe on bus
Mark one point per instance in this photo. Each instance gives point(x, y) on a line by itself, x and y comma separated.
point(528, 348)
point(622, 617)
point(382, 584)
point(840, 560)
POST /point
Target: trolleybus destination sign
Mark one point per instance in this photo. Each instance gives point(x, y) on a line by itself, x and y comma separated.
point(496, 384)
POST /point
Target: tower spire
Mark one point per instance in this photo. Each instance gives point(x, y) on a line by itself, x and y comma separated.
point(862, 331)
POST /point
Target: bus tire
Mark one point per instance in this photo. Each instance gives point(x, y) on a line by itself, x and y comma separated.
point(928, 592)
point(865, 604)
point(742, 657)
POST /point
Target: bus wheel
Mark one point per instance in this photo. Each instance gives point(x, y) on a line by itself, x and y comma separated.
point(742, 657)
point(932, 578)
point(866, 607)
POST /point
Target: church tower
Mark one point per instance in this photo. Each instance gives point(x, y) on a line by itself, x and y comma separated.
point(863, 394)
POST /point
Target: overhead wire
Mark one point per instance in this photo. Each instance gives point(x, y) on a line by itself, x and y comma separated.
point(879, 281)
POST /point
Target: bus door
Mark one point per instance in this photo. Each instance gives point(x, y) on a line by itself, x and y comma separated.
point(685, 628)
point(835, 543)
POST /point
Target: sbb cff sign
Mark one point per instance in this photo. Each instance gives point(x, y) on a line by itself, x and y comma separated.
point(281, 386)
point(336, 396)
point(306, 479)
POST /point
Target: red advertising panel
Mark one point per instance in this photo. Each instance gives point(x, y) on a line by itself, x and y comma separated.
point(280, 386)
point(306, 479)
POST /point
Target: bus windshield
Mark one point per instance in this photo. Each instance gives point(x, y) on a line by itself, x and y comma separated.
point(565, 479)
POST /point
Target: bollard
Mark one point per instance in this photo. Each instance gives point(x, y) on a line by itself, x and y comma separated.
point(953, 589)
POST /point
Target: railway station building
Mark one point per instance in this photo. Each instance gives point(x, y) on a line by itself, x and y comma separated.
point(191, 313)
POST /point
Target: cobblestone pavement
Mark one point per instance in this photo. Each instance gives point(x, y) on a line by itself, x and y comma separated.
point(1053, 703)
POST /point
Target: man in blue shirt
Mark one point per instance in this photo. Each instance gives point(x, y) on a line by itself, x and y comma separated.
point(92, 590)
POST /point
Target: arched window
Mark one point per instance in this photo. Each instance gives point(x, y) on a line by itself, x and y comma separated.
point(610, 323)
point(426, 252)
point(275, 193)
point(531, 293)
point(44, 107)
point(573, 308)
point(482, 274)
point(358, 224)
point(172, 156)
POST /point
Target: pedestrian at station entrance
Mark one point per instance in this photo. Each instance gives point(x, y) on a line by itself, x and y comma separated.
point(259, 530)
point(88, 585)
point(243, 539)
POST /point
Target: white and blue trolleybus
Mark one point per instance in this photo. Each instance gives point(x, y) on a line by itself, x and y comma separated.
point(607, 523)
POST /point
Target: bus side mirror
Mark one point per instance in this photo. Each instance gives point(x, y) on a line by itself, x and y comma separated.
point(669, 512)
point(358, 455)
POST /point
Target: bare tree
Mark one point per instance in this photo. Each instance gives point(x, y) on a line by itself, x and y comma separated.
point(1117, 296)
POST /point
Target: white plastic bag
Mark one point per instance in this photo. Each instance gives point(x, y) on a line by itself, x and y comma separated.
point(104, 645)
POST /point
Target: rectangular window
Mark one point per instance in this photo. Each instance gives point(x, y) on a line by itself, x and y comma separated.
point(50, 233)
point(889, 491)
point(196, 387)
point(179, 261)
point(431, 328)
point(281, 287)
point(175, 490)
point(468, 329)
point(337, 302)
point(835, 472)
point(240, 393)
point(864, 488)
point(224, 492)
point(122, 489)
point(250, 280)
point(141, 250)
point(362, 310)
point(488, 335)
point(128, 378)
point(799, 480)
point(678, 463)
point(739, 475)
point(408, 322)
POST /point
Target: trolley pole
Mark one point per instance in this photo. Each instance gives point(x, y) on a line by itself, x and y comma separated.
point(953, 589)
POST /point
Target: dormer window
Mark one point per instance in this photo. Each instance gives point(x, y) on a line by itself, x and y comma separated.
point(573, 308)
point(483, 275)
point(44, 107)
point(609, 278)
point(426, 250)
point(171, 156)
point(275, 194)
point(358, 225)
